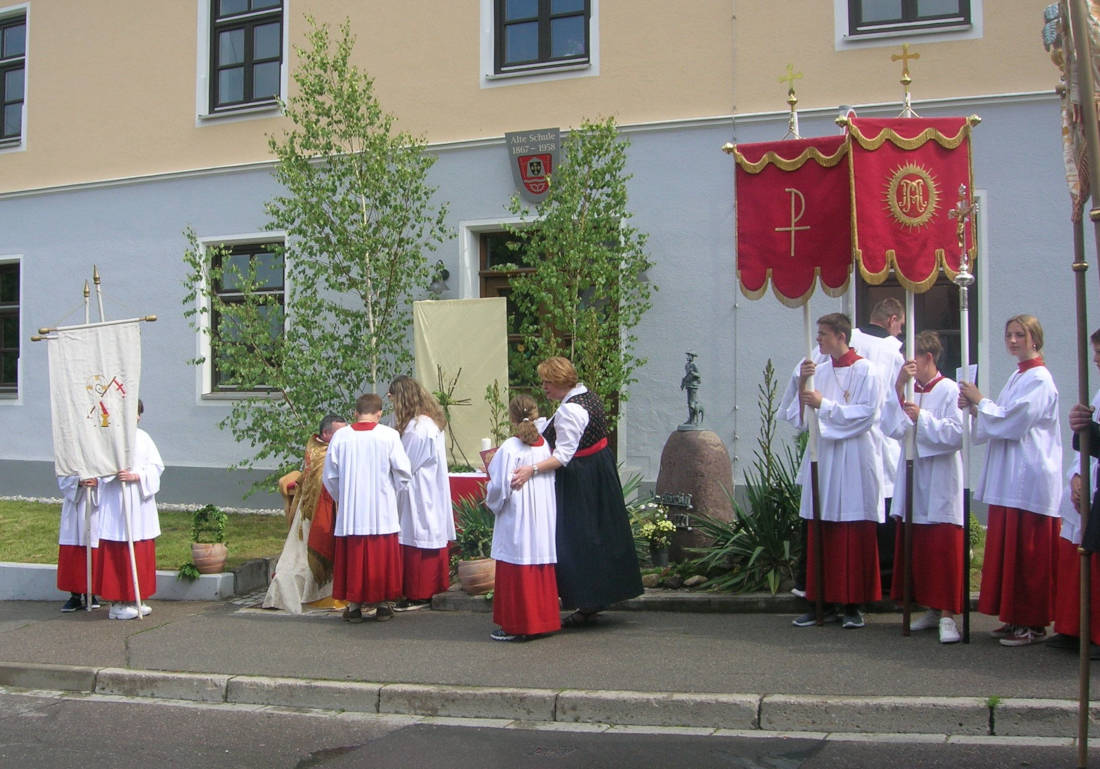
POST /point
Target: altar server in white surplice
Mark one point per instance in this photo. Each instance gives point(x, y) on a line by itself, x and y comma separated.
point(427, 519)
point(365, 468)
point(525, 599)
point(140, 483)
point(77, 497)
point(878, 342)
point(1022, 484)
point(848, 400)
point(938, 532)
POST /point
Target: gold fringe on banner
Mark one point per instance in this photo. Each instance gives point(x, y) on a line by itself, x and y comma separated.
point(925, 136)
point(792, 164)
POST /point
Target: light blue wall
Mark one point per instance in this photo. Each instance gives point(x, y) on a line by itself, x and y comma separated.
point(681, 194)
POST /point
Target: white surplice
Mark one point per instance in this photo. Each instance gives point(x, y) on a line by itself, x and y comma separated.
point(524, 532)
point(1023, 464)
point(1071, 518)
point(885, 354)
point(849, 454)
point(74, 499)
point(364, 470)
point(937, 467)
point(424, 506)
point(144, 521)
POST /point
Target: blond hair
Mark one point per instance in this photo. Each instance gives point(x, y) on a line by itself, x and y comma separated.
point(410, 400)
point(1031, 325)
point(558, 371)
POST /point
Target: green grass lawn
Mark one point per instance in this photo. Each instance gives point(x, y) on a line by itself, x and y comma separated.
point(30, 535)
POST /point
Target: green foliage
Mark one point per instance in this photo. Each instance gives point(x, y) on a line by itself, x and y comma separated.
point(759, 549)
point(208, 524)
point(359, 218)
point(474, 529)
point(976, 535)
point(188, 572)
point(499, 423)
point(585, 294)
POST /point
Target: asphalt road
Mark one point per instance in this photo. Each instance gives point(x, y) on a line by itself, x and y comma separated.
point(81, 733)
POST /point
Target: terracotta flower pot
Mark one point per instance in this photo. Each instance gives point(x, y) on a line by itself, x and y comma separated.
point(209, 557)
point(477, 577)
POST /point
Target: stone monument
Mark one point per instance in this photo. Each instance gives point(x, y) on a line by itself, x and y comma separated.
point(695, 466)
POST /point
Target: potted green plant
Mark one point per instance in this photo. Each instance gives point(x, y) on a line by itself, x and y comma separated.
point(652, 526)
point(208, 550)
point(474, 536)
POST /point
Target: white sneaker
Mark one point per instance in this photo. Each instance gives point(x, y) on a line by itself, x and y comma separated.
point(926, 621)
point(146, 610)
point(123, 611)
point(949, 631)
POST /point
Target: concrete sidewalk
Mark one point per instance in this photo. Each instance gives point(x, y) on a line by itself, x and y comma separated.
point(711, 669)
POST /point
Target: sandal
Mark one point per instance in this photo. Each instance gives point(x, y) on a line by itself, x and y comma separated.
point(581, 619)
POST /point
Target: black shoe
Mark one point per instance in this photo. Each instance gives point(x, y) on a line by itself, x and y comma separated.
point(810, 618)
point(1062, 641)
point(95, 603)
point(75, 603)
point(354, 616)
point(406, 605)
point(500, 634)
point(384, 613)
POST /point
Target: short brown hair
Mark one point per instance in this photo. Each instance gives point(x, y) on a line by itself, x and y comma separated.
point(886, 308)
point(1032, 326)
point(929, 342)
point(1095, 338)
point(368, 403)
point(558, 371)
point(838, 323)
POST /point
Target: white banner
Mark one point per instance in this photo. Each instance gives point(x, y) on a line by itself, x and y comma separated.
point(95, 372)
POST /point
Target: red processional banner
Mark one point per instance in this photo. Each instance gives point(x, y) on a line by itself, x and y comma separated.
point(906, 176)
point(793, 218)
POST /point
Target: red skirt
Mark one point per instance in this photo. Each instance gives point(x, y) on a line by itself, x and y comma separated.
point(72, 574)
point(1018, 570)
point(426, 572)
point(937, 565)
point(1067, 592)
point(851, 562)
point(525, 598)
point(113, 579)
point(367, 568)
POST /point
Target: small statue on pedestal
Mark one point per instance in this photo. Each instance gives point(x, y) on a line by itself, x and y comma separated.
point(691, 382)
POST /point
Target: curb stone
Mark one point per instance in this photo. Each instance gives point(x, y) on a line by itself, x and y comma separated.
point(951, 718)
point(927, 715)
point(199, 687)
point(304, 693)
point(468, 701)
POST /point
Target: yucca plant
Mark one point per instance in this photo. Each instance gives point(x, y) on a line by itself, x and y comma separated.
point(759, 549)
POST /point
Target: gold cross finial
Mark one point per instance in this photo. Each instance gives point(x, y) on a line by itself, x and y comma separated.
point(904, 58)
point(790, 77)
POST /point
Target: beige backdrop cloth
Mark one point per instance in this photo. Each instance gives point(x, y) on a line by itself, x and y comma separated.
point(467, 334)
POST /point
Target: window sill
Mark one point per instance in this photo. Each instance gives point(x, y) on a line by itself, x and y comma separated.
point(265, 109)
point(535, 70)
point(908, 32)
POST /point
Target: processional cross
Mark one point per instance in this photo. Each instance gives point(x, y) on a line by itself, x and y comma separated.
point(904, 57)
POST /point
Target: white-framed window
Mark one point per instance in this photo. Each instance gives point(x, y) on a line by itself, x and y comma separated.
point(241, 58)
point(258, 260)
point(861, 23)
point(11, 293)
point(13, 77)
point(525, 40)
